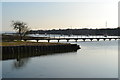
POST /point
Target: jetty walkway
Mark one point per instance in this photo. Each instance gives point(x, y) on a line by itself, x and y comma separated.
point(68, 39)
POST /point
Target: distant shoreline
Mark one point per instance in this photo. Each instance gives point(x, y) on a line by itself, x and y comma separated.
point(48, 31)
point(84, 31)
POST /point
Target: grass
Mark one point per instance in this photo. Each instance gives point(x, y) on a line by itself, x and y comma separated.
point(20, 43)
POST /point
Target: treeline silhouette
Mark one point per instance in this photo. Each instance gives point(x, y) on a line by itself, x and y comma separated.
point(85, 31)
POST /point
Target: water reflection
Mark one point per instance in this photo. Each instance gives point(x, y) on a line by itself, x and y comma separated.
point(93, 60)
point(21, 59)
point(19, 63)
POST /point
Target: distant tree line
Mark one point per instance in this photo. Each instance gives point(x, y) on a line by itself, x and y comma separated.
point(85, 31)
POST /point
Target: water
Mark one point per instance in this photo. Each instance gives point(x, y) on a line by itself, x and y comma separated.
point(93, 60)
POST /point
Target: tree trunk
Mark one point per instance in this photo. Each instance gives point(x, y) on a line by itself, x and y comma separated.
point(20, 34)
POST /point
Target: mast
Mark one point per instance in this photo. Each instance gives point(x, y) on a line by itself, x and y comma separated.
point(106, 29)
point(106, 24)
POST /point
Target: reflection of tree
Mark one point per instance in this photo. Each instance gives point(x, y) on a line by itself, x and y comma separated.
point(20, 63)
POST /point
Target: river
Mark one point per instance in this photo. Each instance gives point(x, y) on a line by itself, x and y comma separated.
point(95, 59)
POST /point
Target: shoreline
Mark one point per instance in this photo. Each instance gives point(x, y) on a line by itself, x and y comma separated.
point(12, 50)
point(23, 43)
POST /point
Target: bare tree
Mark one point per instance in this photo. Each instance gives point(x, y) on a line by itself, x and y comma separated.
point(21, 28)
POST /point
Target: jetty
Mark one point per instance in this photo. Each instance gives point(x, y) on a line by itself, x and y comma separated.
point(68, 39)
point(27, 38)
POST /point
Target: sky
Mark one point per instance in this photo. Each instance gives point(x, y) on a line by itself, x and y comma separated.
point(61, 15)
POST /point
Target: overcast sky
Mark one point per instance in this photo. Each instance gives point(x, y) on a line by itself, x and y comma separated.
point(55, 15)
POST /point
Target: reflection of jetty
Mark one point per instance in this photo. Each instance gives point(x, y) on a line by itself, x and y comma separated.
point(76, 39)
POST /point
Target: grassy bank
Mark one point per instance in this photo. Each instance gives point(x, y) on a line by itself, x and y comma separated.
point(22, 43)
point(9, 38)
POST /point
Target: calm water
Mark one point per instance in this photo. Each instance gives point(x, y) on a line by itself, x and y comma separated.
point(93, 60)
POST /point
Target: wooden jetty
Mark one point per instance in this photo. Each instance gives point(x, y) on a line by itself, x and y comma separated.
point(12, 38)
point(67, 39)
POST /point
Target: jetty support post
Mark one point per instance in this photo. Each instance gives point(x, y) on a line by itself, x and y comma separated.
point(76, 40)
point(48, 40)
point(83, 39)
point(98, 39)
point(25, 39)
point(91, 39)
point(110, 39)
point(104, 39)
point(37, 40)
point(58, 40)
point(67, 40)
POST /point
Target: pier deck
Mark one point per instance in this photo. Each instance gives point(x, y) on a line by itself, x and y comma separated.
point(67, 39)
